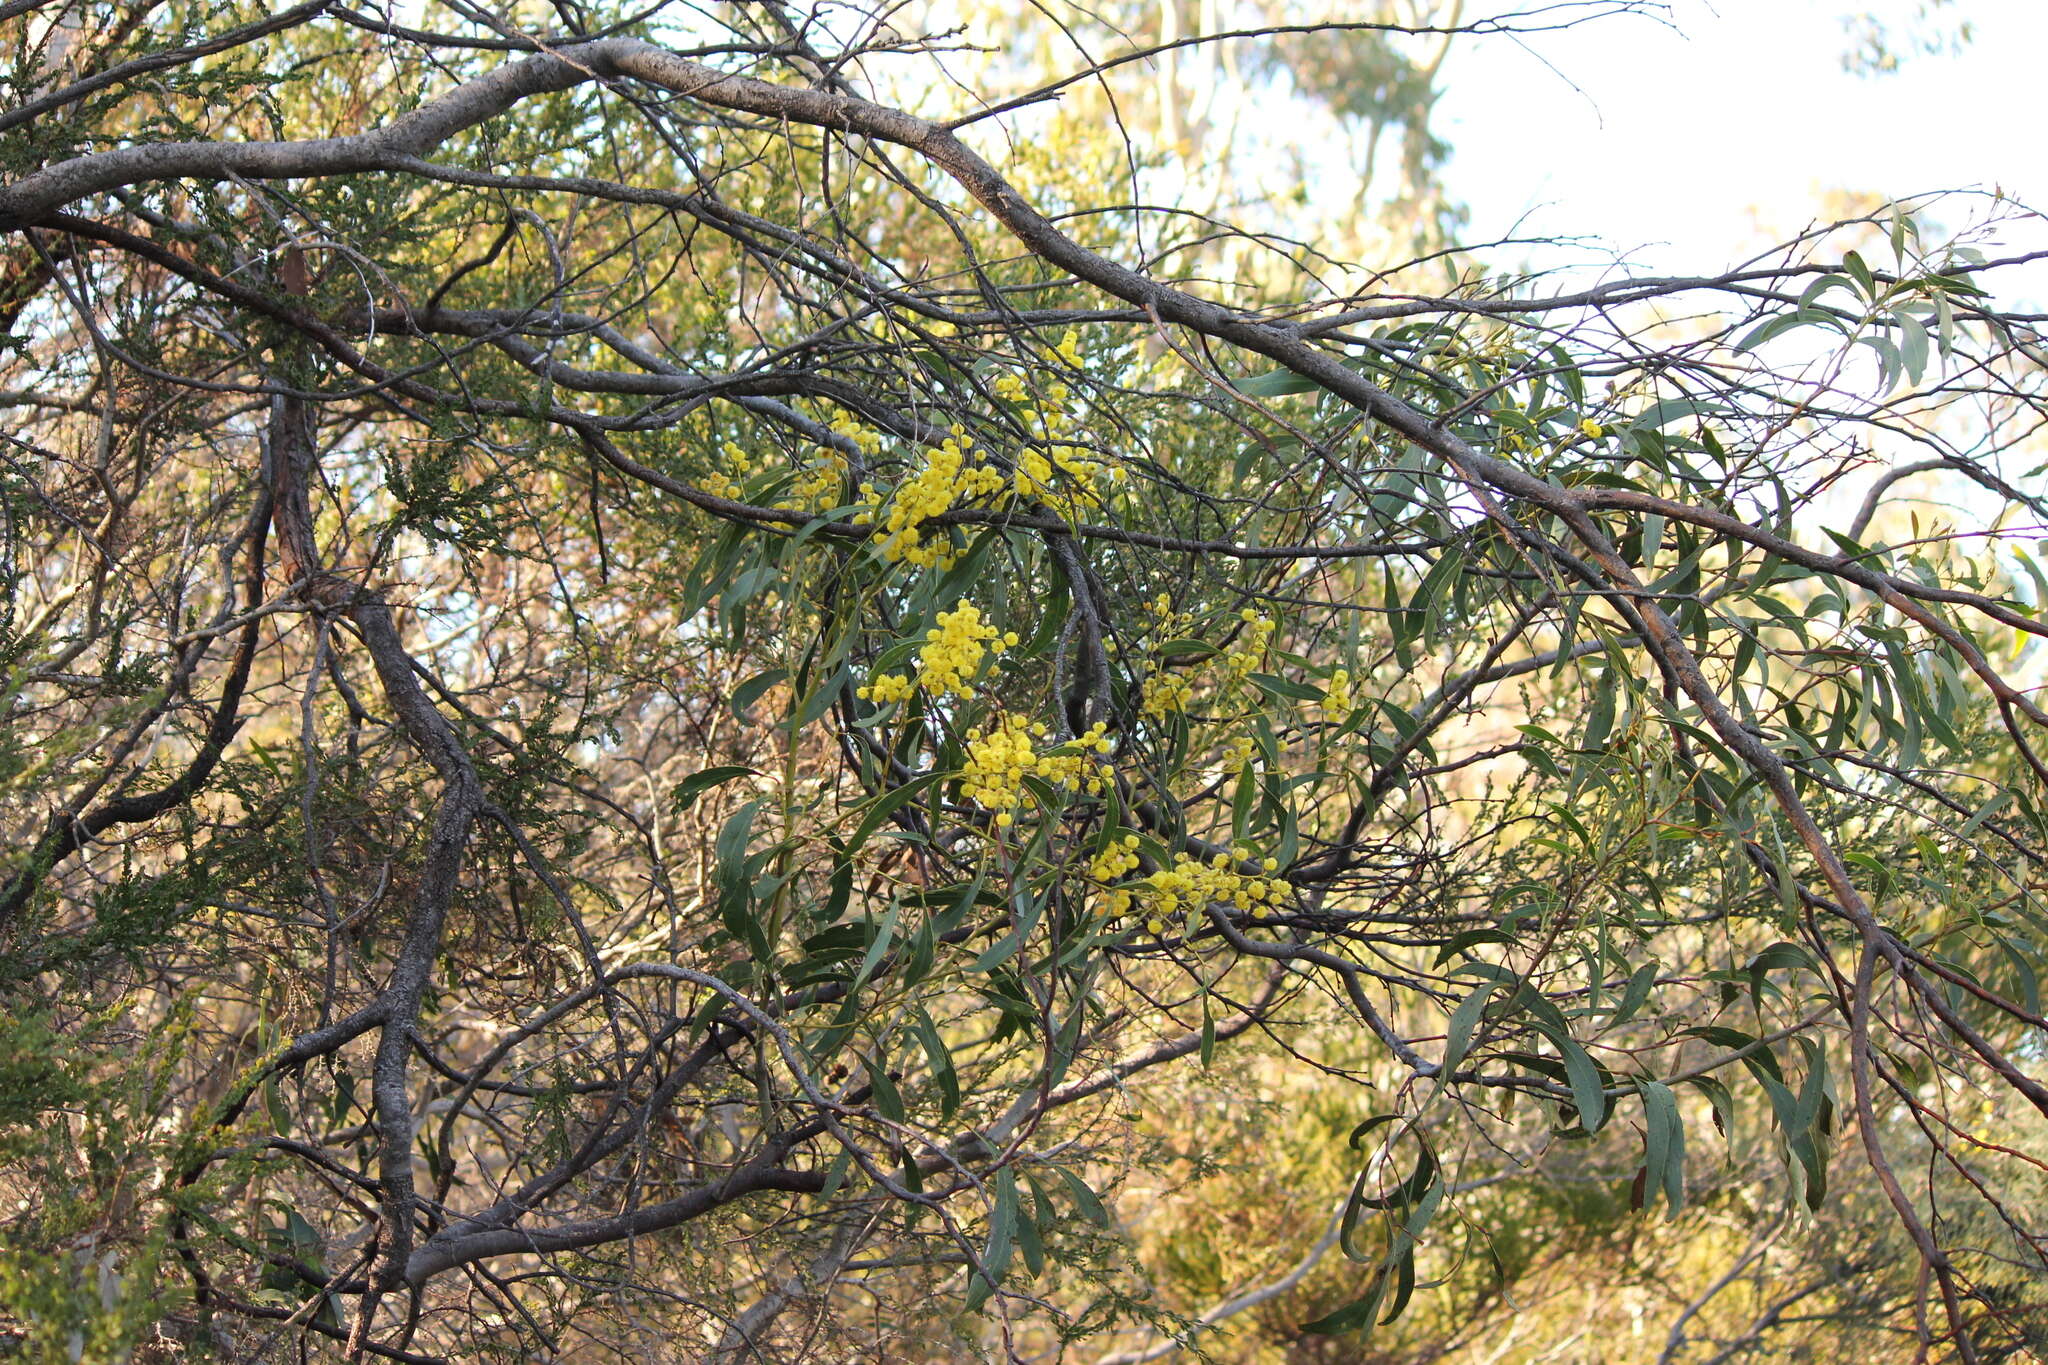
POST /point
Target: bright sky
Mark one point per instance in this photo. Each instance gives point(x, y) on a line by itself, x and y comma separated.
point(1689, 149)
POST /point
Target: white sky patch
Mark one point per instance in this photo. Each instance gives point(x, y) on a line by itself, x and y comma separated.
point(1688, 150)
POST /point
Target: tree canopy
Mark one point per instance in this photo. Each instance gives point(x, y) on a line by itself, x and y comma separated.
point(742, 682)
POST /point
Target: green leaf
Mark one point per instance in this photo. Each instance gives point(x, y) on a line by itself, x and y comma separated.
point(985, 1279)
point(1721, 1099)
point(305, 1240)
point(1276, 384)
point(1810, 1170)
point(940, 1058)
point(1913, 346)
point(1664, 412)
point(1600, 720)
point(1755, 1054)
point(1664, 1143)
point(1812, 293)
point(344, 1098)
point(1458, 1037)
point(1084, 1198)
point(884, 935)
point(1588, 1096)
point(1404, 1285)
point(729, 851)
point(1636, 993)
point(1786, 322)
point(747, 693)
point(835, 1175)
point(888, 1099)
point(1411, 1189)
point(1853, 263)
point(1468, 939)
point(696, 784)
point(1773, 957)
point(1005, 948)
point(300, 1241)
point(1286, 689)
point(820, 698)
point(274, 1105)
point(1029, 1243)
point(1997, 803)
point(1360, 1313)
point(882, 807)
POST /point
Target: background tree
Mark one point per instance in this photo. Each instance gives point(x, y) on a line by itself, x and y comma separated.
point(660, 707)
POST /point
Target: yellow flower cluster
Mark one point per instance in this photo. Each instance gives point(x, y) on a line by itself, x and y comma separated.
point(1162, 694)
point(1076, 764)
point(1166, 620)
point(1056, 469)
point(886, 689)
point(1041, 475)
point(1191, 884)
point(720, 482)
point(1237, 754)
point(1251, 647)
point(946, 478)
point(1115, 862)
point(999, 760)
point(865, 438)
point(954, 648)
point(951, 657)
point(1337, 692)
point(818, 486)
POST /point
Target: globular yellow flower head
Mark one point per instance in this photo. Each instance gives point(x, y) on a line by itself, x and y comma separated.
point(818, 486)
point(947, 478)
point(1251, 648)
point(951, 659)
point(1116, 861)
point(955, 647)
point(1337, 693)
point(725, 482)
point(865, 438)
point(886, 689)
point(1000, 758)
point(1191, 884)
point(1052, 466)
point(1184, 889)
point(1163, 694)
